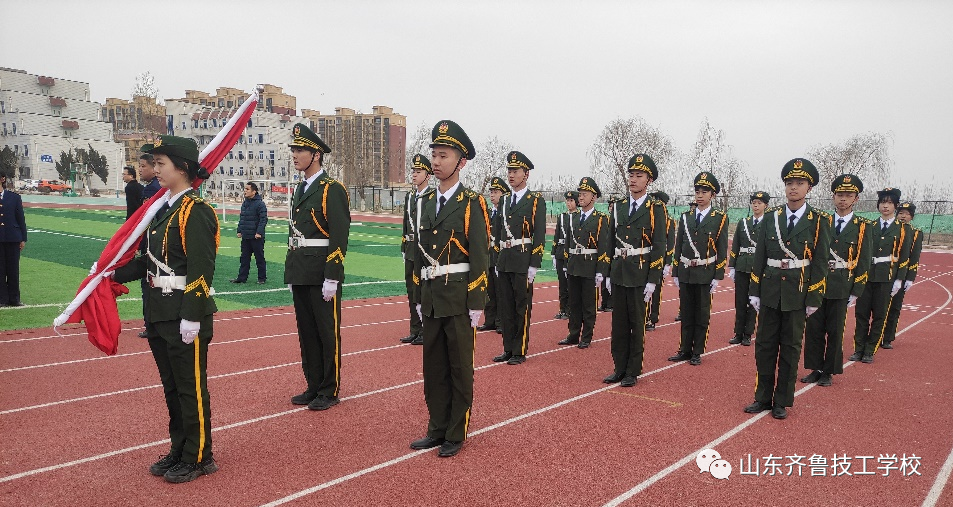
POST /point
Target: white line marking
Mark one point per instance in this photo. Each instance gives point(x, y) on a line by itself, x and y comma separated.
point(737, 429)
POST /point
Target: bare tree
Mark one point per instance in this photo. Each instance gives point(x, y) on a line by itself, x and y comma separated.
point(145, 86)
point(418, 142)
point(490, 161)
point(865, 155)
point(712, 153)
point(618, 142)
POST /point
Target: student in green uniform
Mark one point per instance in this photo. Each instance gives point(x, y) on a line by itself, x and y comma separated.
point(692, 207)
point(905, 215)
point(587, 243)
point(521, 238)
point(846, 280)
point(637, 243)
point(314, 268)
point(652, 315)
point(739, 267)
point(701, 253)
point(453, 256)
point(179, 264)
point(787, 286)
point(559, 252)
point(420, 179)
point(891, 243)
point(605, 298)
point(498, 190)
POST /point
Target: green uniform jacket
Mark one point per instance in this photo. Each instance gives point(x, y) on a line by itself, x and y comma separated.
point(527, 219)
point(559, 236)
point(459, 234)
point(792, 289)
point(642, 229)
point(323, 212)
point(185, 238)
point(593, 235)
point(745, 234)
point(852, 245)
point(670, 236)
point(494, 246)
point(710, 238)
point(915, 249)
point(895, 243)
point(407, 245)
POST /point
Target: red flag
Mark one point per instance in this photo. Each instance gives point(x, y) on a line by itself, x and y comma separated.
point(95, 302)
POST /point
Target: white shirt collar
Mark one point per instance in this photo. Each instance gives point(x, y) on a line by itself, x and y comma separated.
point(586, 214)
point(519, 195)
point(889, 222)
point(449, 192)
point(846, 218)
point(172, 199)
point(309, 181)
point(797, 214)
point(638, 202)
point(703, 212)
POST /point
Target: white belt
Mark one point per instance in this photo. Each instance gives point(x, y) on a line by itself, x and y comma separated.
point(582, 251)
point(698, 262)
point(789, 263)
point(561, 242)
point(296, 242)
point(879, 260)
point(431, 272)
point(747, 249)
point(409, 237)
point(515, 242)
point(836, 264)
point(628, 252)
point(167, 283)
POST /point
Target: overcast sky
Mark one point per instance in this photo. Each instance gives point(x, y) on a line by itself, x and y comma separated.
point(547, 76)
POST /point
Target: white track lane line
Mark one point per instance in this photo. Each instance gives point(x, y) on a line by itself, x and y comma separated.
point(737, 429)
point(81, 461)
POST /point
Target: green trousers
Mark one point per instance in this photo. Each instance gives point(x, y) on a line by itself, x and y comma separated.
point(824, 339)
point(777, 352)
point(448, 375)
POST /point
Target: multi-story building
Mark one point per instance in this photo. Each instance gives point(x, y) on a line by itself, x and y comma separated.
point(271, 99)
point(369, 148)
point(42, 117)
point(262, 154)
point(135, 122)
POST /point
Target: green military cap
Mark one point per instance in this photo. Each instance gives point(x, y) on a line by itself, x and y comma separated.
point(422, 162)
point(662, 196)
point(761, 196)
point(847, 183)
point(707, 180)
point(146, 147)
point(304, 137)
point(448, 133)
point(909, 206)
point(516, 160)
point(589, 184)
point(500, 184)
point(889, 191)
point(800, 168)
point(182, 147)
point(572, 194)
point(644, 163)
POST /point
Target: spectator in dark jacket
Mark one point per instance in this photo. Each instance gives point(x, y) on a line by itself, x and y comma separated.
point(133, 190)
point(251, 229)
point(12, 240)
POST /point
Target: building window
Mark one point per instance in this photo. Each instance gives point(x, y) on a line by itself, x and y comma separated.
point(56, 111)
point(231, 171)
point(195, 124)
point(250, 138)
point(231, 155)
point(16, 149)
point(26, 150)
point(249, 122)
point(14, 128)
point(261, 155)
point(271, 155)
point(261, 138)
point(230, 103)
point(204, 124)
point(214, 122)
point(3, 108)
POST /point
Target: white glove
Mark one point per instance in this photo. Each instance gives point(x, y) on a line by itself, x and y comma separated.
point(755, 303)
point(731, 274)
point(403, 256)
point(475, 317)
point(599, 279)
point(906, 285)
point(896, 288)
point(530, 274)
point(810, 310)
point(496, 271)
point(851, 300)
point(108, 274)
point(420, 313)
point(289, 288)
point(92, 270)
point(609, 286)
point(649, 290)
point(675, 279)
point(667, 270)
point(329, 289)
point(554, 263)
point(714, 285)
point(189, 330)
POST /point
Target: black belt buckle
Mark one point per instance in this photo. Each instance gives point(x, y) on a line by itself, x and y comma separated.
point(693, 263)
point(832, 264)
point(785, 264)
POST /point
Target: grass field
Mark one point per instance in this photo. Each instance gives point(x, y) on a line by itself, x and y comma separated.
point(64, 243)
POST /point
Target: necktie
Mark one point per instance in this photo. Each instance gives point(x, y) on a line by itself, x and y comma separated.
point(698, 219)
point(494, 215)
point(755, 222)
point(635, 206)
point(442, 201)
point(513, 201)
point(300, 191)
point(791, 223)
point(582, 219)
point(163, 210)
point(884, 229)
point(840, 224)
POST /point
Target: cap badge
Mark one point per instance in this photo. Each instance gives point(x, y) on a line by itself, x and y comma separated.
point(443, 128)
point(798, 164)
point(157, 143)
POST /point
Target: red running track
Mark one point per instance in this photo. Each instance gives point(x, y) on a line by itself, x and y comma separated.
point(81, 429)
